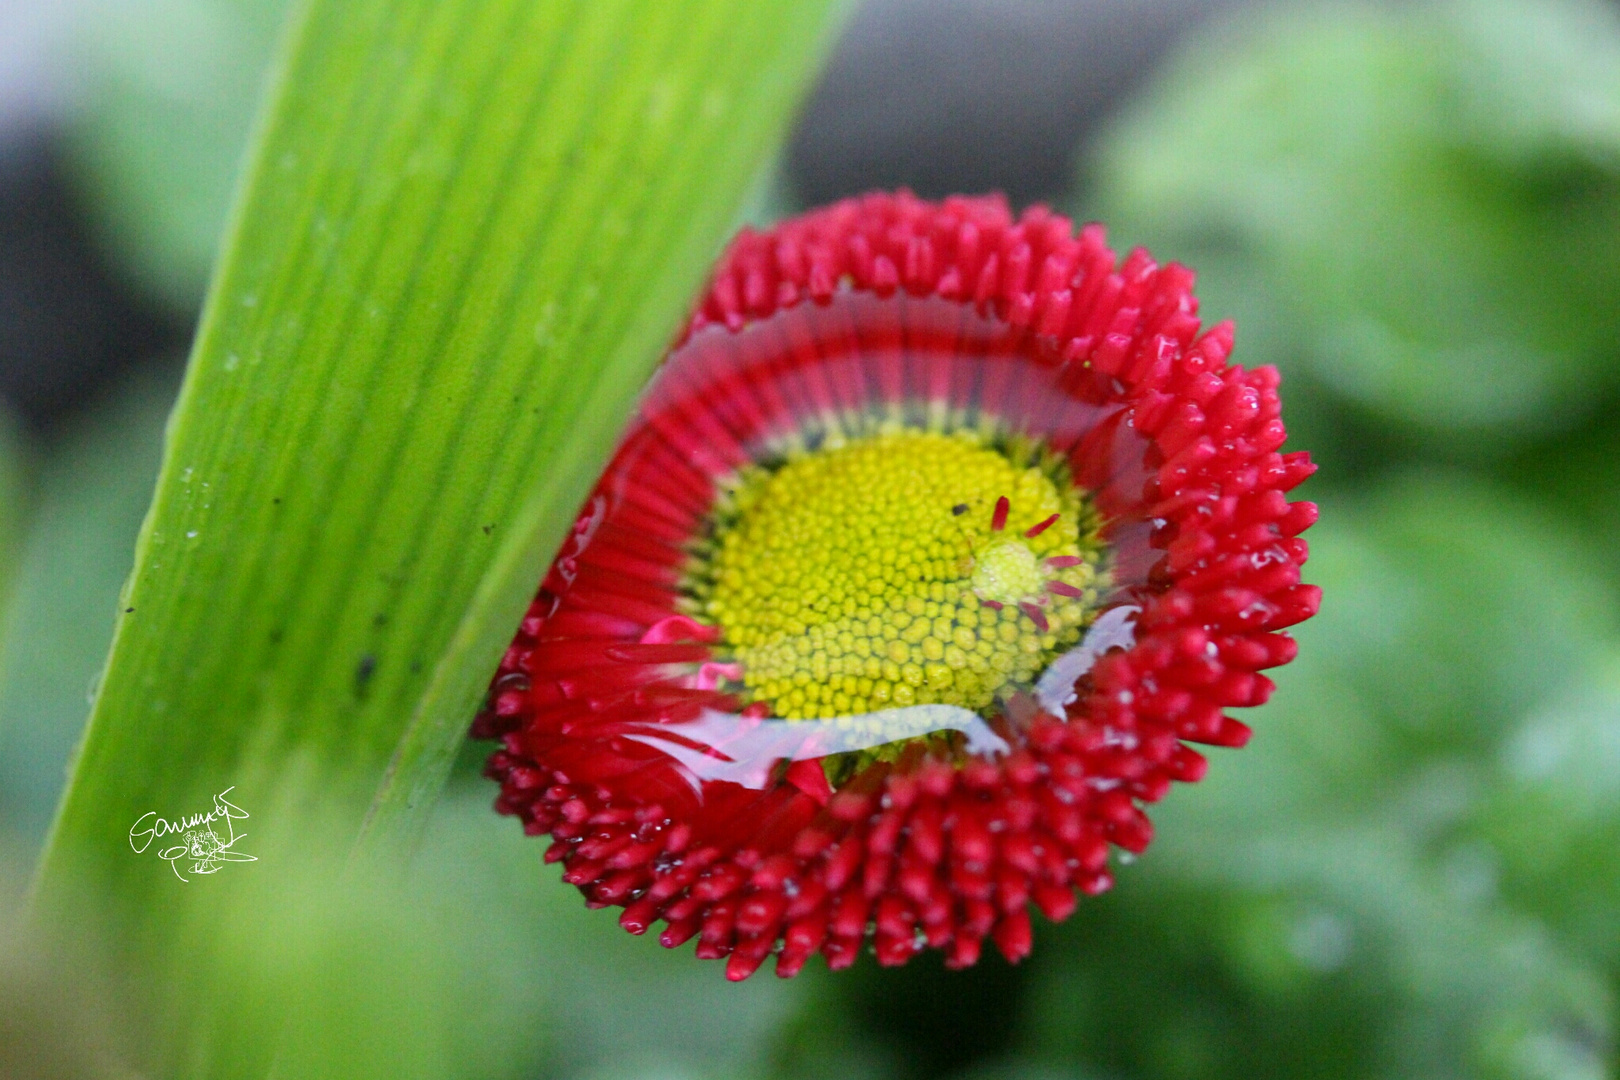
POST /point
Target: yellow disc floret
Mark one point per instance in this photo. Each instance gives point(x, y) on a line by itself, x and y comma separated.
point(908, 567)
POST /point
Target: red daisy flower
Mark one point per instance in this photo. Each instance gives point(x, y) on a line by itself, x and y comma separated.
point(931, 545)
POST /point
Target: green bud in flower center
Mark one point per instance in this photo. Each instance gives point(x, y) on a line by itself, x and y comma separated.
point(1008, 572)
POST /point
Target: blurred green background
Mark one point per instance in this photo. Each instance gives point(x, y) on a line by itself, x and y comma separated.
point(1413, 210)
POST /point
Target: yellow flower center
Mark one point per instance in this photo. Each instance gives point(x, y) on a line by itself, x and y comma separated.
point(907, 567)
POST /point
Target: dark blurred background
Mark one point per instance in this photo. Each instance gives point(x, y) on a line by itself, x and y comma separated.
point(1412, 209)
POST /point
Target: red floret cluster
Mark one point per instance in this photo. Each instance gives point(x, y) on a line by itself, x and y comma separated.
point(924, 851)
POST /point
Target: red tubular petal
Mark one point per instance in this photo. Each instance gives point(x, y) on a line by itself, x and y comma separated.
point(678, 933)
point(1013, 936)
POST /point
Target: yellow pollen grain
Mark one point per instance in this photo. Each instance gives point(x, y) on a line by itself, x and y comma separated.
point(854, 577)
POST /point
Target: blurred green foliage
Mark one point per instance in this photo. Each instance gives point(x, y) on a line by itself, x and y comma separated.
point(1412, 871)
point(1413, 206)
point(168, 90)
point(94, 484)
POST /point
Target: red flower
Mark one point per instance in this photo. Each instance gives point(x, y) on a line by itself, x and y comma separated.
point(932, 543)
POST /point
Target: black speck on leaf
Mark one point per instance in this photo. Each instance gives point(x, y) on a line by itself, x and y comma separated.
point(363, 672)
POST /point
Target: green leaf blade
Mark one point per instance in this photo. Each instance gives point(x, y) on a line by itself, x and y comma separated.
point(467, 234)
